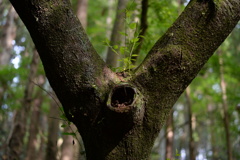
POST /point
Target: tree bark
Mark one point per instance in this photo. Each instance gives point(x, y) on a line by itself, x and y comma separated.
point(119, 116)
point(82, 16)
point(116, 37)
point(225, 108)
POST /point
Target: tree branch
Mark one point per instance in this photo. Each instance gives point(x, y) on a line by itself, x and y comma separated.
point(177, 57)
point(72, 66)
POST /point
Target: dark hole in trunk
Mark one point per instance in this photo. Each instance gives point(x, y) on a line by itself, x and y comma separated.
point(122, 96)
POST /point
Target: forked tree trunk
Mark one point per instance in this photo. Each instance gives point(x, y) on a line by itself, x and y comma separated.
point(119, 115)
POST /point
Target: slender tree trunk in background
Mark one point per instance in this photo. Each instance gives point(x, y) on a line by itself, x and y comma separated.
point(33, 131)
point(116, 37)
point(15, 141)
point(8, 35)
point(69, 144)
point(143, 29)
point(212, 132)
point(53, 130)
point(169, 137)
point(82, 12)
point(225, 108)
point(35, 119)
point(190, 128)
point(180, 4)
point(43, 130)
point(6, 39)
point(111, 11)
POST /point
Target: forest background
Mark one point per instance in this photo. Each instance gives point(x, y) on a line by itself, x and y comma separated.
point(204, 122)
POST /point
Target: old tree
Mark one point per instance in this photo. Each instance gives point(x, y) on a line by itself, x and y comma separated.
point(119, 115)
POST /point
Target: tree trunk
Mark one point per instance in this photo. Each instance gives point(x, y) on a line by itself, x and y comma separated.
point(170, 122)
point(116, 37)
point(82, 12)
point(8, 35)
point(6, 39)
point(190, 128)
point(169, 137)
point(225, 108)
point(110, 12)
point(53, 129)
point(32, 141)
point(119, 115)
point(82, 16)
point(212, 132)
point(35, 119)
point(42, 145)
point(15, 141)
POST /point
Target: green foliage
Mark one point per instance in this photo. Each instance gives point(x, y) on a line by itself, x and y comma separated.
point(7, 74)
point(69, 134)
point(177, 155)
point(131, 38)
point(100, 12)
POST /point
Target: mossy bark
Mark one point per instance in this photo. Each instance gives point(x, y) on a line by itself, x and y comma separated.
point(119, 116)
